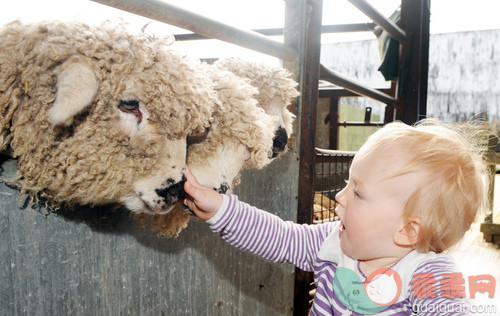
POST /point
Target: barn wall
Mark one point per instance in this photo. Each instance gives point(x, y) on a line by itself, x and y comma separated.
point(99, 262)
point(463, 76)
point(463, 73)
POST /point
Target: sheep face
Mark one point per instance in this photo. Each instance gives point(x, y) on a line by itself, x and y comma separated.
point(283, 120)
point(157, 192)
point(240, 135)
point(147, 162)
point(276, 91)
point(99, 116)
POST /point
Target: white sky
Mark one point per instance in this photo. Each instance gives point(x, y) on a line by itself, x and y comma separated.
point(446, 16)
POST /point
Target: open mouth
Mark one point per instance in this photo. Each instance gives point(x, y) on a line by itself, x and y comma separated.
point(342, 228)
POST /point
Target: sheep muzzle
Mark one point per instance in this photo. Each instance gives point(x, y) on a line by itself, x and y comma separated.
point(224, 187)
point(173, 191)
point(279, 141)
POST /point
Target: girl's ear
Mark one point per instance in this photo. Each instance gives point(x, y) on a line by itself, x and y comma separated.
point(407, 235)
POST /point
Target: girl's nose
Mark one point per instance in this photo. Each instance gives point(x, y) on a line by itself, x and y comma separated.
point(340, 207)
point(339, 197)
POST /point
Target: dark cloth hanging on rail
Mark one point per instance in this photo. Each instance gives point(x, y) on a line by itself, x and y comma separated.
point(389, 50)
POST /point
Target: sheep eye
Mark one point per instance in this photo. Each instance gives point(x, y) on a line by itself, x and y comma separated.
point(128, 105)
point(131, 106)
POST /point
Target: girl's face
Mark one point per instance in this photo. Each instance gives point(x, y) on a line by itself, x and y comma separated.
point(371, 205)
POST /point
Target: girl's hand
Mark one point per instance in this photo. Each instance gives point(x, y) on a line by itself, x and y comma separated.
point(202, 200)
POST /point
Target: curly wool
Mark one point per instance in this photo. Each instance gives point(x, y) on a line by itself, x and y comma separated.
point(237, 122)
point(237, 117)
point(167, 225)
point(90, 161)
point(272, 83)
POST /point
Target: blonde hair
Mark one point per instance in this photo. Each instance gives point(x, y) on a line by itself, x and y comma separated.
point(453, 191)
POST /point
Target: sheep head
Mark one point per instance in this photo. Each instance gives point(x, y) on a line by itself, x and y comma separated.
point(276, 91)
point(98, 115)
point(250, 127)
point(240, 135)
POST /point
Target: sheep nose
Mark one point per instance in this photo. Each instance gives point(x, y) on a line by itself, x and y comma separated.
point(172, 192)
point(223, 188)
point(279, 141)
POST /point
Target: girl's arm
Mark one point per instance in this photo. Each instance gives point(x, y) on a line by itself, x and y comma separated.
point(257, 231)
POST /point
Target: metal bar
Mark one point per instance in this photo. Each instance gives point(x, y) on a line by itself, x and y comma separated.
point(389, 114)
point(347, 28)
point(334, 122)
point(339, 28)
point(164, 12)
point(334, 152)
point(389, 26)
point(303, 20)
point(368, 114)
point(189, 37)
point(338, 93)
point(309, 98)
point(351, 85)
point(373, 124)
point(414, 61)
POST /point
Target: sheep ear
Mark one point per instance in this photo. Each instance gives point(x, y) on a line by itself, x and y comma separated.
point(77, 86)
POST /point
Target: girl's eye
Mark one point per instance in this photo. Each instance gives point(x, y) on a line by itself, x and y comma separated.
point(355, 189)
point(356, 194)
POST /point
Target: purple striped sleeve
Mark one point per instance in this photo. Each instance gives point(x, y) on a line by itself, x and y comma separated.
point(268, 236)
point(438, 301)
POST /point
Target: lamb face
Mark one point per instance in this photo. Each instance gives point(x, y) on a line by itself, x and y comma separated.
point(240, 135)
point(154, 192)
point(157, 192)
point(276, 91)
point(283, 119)
point(99, 116)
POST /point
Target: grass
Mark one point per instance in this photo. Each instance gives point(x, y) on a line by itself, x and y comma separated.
point(352, 137)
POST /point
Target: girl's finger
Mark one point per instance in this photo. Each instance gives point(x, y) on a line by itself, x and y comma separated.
point(190, 177)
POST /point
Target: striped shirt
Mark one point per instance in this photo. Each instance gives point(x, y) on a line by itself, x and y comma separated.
point(317, 248)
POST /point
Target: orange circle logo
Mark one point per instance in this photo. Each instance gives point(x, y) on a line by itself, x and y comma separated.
point(383, 286)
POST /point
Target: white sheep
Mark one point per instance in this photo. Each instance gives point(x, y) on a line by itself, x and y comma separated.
point(96, 115)
point(276, 93)
point(250, 127)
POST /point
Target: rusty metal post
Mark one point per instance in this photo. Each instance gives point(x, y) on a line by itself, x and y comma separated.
point(414, 60)
point(303, 20)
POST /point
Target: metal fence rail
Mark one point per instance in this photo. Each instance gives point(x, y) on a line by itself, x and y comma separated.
point(356, 87)
point(390, 27)
point(173, 15)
